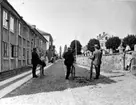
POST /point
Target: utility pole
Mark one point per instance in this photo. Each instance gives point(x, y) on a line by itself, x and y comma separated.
point(60, 52)
point(76, 47)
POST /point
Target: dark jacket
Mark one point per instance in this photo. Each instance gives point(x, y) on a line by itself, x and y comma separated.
point(69, 58)
point(35, 58)
point(97, 55)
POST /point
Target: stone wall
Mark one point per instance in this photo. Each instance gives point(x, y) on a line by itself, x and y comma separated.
point(109, 62)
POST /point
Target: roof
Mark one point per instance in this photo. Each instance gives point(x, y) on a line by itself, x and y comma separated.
point(101, 37)
point(45, 34)
point(37, 32)
point(84, 48)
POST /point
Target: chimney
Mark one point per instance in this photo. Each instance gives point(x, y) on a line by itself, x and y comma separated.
point(33, 26)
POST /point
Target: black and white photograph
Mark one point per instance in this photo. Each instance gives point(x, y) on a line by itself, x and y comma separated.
point(67, 52)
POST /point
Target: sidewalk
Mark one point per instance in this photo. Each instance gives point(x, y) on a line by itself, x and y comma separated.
point(11, 73)
point(10, 84)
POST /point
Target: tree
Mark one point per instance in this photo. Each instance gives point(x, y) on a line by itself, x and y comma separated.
point(60, 52)
point(76, 46)
point(65, 49)
point(113, 43)
point(91, 43)
point(129, 40)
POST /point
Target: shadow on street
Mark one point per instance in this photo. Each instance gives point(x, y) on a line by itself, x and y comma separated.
point(54, 80)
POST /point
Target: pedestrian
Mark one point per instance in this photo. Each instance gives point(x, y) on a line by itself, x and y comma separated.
point(96, 60)
point(69, 60)
point(35, 61)
point(42, 65)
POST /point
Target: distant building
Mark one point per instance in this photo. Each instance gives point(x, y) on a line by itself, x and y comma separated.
point(48, 38)
point(50, 47)
point(102, 39)
point(85, 51)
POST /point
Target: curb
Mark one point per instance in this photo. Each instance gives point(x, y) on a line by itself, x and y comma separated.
point(17, 84)
point(101, 72)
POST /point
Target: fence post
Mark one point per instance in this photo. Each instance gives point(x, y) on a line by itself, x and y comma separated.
point(133, 63)
point(124, 55)
point(91, 69)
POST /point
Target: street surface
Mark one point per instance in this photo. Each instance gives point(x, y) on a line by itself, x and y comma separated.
point(117, 88)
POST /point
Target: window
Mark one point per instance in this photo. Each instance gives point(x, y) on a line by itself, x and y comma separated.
point(5, 49)
point(24, 42)
point(27, 56)
point(14, 50)
point(11, 24)
point(19, 52)
point(24, 55)
point(19, 41)
point(28, 44)
point(106, 38)
point(5, 19)
point(19, 29)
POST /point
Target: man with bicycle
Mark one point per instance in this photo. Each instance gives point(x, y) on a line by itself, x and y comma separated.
point(69, 60)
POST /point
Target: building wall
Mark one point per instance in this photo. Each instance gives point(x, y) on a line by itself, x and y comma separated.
point(47, 44)
point(0, 35)
point(16, 46)
point(115, 59)
point(5, 43)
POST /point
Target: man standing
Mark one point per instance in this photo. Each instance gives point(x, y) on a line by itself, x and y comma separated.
point(96, 60)
point(35, 61)
point(69, 60)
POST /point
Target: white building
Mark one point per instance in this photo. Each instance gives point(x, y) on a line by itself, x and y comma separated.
point(102, 39)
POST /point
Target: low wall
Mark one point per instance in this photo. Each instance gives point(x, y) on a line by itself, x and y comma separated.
point(109, 62)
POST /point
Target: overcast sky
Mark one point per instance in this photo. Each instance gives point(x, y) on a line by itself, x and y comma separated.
point(66, 20)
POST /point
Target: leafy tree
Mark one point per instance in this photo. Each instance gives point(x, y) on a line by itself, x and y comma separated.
point(113, 43)
point(91, 43)
point(129, 40)
point(76, 46)
point(60, 51)
point(65, 48)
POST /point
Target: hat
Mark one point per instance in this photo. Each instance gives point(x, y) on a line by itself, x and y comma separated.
point(96, 46)
point(34, 48)
point(69, 48)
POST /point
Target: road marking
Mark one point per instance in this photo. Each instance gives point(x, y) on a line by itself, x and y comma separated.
point(15, 85)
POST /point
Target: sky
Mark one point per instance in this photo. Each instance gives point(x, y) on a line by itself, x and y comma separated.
point(82, 20)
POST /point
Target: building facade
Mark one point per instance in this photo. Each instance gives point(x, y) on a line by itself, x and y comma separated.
point(17, 39)
point(50, 48)
point(102, 39)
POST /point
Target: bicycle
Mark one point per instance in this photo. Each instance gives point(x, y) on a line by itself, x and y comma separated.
point(72, 72)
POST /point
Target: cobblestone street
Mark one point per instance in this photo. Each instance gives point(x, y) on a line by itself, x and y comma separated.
point(117, 88)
